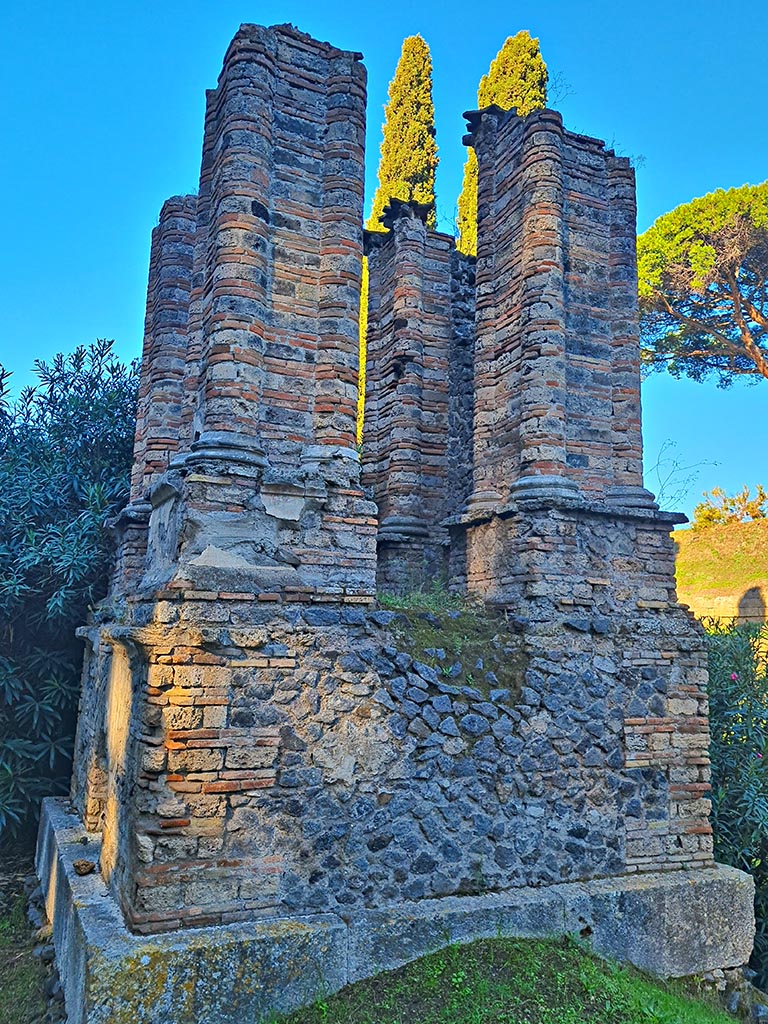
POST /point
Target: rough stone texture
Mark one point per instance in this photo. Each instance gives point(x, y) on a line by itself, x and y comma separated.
point(225, 975)
point(255, 748)
point(643, 920)
point(557, 366)
point(294, 762)
point(264, 492)
point(666, 924)
point(419, 393)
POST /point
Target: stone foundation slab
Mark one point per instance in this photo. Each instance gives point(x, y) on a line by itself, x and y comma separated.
point(671, 924)
point(222, 975)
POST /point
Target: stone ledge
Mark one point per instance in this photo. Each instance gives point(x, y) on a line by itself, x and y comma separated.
point(223, 975)
point(670, 924)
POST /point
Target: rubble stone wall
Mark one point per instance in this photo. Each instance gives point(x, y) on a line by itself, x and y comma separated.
point(294, 760)
point(595, 591)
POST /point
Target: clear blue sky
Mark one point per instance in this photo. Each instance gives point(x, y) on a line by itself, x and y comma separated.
point(103, 113)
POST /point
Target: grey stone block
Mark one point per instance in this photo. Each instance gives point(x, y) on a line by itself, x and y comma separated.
point(380, 940)
point(672, 924)
point(221, 975)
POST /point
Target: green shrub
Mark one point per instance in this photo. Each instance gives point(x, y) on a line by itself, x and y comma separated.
point(65, 456)
point(738, 697)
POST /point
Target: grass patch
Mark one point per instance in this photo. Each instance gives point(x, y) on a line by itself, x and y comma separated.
point(512, 981)
point(435, 599)
point(22, 976)
point(729, 558)
point(466, 643)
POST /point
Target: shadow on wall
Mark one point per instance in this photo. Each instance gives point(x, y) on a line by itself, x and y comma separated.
point(752, 606)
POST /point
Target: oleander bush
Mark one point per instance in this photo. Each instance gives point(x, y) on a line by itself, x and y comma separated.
point(738, 697)
point(65, 456)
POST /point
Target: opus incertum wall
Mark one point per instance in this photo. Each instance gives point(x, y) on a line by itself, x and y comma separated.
point(278, 799)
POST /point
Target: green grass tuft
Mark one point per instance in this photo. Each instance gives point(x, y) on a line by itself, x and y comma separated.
point(22, 976)
point(474, 640)
point(512, 981)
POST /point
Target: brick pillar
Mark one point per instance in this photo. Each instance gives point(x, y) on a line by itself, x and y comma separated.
point(335, 400)
point(627, 441)
point(161, 386)
point(281, 203)
point(557, 407)
point(557, 361)
point(158, 415)
point(396, 278)
point(412, 386)
point(520, 431)
point(271, 477)
point(235, 194)
point(191, 424)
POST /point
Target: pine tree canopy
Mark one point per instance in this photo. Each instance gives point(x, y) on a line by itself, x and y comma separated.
point(702, 272)
point(516, 80)
point(408, 149)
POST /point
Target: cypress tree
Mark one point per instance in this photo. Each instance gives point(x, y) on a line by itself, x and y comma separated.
point(408, 149)
point(516, 79)
point(407, 165)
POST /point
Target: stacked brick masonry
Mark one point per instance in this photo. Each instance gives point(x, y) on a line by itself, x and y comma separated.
point(281, 206)
point(163, 364)
point(677, 743)
point(557, 361)
point(161, 386)
point(267, 482)
point(215, 529)
point(419, 393)
point(627, 438)
point(462, 381)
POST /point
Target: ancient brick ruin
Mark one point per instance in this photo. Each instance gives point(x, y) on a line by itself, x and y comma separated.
point(273, 787)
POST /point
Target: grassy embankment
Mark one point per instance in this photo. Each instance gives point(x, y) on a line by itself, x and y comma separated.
point(22, 976)
point(717, 566)
point(512, 981)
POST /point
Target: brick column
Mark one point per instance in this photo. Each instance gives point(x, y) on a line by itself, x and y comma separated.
point(235, 196)
point(520, 362)
point(557, 411)
point(268, 487)
point(161, 386)
point(396, 352)
point(415, 392)
point(158, 416)
point(335, 400)
point(627, 440)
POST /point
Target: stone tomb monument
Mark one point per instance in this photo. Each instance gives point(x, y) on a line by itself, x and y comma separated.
point(277, 800)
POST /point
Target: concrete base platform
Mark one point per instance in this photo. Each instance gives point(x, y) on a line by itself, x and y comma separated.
point(672, 925)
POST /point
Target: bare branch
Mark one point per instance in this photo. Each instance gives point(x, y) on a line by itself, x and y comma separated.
point(755, 314)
